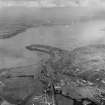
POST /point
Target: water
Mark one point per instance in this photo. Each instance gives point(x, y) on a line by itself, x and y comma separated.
point(66, 28)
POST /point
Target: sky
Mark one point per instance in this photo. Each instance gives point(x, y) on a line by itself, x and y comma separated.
point(53, 3)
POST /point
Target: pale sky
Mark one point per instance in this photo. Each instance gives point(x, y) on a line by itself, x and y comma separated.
point(54, 3)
